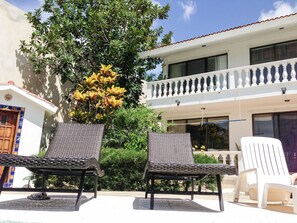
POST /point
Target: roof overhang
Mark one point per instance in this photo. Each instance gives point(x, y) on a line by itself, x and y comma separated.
point(49, 107)
point(222, 36)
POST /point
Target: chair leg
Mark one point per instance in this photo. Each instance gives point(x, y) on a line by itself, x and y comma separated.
point(152, 192)
point(193, 188)
point(81, 185)
point(220, 194)
point(146, 186)
point(237, 189)
point(4, 174)
point(261, 193)
point(95, 185)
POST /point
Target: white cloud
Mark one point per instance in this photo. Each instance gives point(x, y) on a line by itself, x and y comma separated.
point(280, 8)
point(153, 1)
point(189, 9)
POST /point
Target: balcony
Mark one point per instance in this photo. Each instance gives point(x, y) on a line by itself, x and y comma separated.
point(251, 81)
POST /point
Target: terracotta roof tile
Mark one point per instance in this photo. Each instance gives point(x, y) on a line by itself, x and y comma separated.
point(226, 30)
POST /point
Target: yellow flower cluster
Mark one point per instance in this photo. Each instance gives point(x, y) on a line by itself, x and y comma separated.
point(97, 97)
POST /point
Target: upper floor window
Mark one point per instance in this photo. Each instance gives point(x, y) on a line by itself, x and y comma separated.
point(279, 51)
point(198, 66)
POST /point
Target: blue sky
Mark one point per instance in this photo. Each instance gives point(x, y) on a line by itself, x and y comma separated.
point(188, 19)
point(192, 18)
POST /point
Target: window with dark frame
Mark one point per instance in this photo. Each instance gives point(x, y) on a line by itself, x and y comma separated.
point(273, 52)
point(198, 66)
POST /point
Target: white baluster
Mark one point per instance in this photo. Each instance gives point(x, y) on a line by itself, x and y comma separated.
point(232, 159)
point(193, 86)
point(224, 81)
point(239, 85)
point(224, 156)
point(219, 83)
point(161, 95)
point(169, 88)
point(247, 78)
point(198, 85)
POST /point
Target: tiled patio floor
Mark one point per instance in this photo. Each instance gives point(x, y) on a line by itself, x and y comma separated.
point(132, 207)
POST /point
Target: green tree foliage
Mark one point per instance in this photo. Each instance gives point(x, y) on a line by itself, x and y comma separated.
point(128, 128)
point(78, 35)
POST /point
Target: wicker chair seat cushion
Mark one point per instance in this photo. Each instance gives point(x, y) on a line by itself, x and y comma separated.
point(32, 162)
point(191, 169)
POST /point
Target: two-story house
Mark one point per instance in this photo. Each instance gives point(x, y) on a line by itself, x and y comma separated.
point(229, 84)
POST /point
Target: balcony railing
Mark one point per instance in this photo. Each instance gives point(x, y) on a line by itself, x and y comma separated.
point(240, 77)
point(226, 157)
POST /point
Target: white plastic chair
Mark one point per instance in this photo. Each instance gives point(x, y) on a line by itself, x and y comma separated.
point(265, 173)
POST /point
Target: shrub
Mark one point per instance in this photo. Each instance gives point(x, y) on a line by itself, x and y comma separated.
point(209, 181)
point(123, 169)
point(129, 126)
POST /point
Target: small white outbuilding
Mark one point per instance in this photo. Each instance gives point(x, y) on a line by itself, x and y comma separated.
point(22, 116)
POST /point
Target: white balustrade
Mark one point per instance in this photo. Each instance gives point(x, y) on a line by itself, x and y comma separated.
point(240, 77)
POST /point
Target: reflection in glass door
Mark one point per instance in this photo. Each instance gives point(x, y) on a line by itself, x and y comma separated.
point(282, 126)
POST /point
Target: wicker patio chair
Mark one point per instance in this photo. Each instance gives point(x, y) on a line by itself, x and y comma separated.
point(170, 156)
point(74, 151)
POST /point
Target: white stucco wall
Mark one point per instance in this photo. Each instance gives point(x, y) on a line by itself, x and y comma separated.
point(13, 28)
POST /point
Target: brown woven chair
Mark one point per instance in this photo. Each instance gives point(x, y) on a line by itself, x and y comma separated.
point(74, 151)
point(170, 156)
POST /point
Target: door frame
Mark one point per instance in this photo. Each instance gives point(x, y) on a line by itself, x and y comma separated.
point(17, 138)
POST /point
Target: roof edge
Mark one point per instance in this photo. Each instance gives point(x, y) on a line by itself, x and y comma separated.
point(47, 105)
point(144, 54)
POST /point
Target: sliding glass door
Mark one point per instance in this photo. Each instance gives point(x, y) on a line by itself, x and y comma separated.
point(282, 126)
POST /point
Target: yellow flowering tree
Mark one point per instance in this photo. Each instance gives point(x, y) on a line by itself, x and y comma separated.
point(96, 98)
